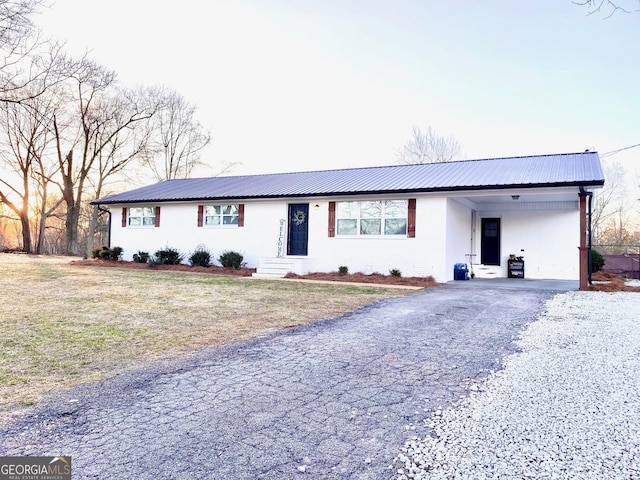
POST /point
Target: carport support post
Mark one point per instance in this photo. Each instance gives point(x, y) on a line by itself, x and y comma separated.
point(584, 250)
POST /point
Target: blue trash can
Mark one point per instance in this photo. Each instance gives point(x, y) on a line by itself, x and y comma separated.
point(460, 271)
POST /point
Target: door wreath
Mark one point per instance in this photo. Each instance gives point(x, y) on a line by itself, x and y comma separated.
point(298, 217)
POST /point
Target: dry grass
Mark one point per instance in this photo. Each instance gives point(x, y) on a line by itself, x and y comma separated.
point(64, 325)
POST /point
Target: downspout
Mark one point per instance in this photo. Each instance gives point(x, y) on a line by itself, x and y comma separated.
point(472, 243)
point(589, 236)
point(109, 214)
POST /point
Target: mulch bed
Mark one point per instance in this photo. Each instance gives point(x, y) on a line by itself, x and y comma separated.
point(602, 282)
point(238, 272)
point(610, 282)
point(377, 278)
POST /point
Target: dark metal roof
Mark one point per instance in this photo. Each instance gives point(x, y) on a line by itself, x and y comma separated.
point(569, 169)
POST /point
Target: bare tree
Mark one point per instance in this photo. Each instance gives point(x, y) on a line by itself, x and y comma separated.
point(15, 22)
point(121, 145)
point(608, 201)
point(617, 235)
point(178, 138)
point(25, 141)
point(29, 72)
point(596, 6)
point(26, 61)
point(428, 147)
point(44, 172)
point(96, 120)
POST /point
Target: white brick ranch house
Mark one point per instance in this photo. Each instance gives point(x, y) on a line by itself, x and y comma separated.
point(419, 219)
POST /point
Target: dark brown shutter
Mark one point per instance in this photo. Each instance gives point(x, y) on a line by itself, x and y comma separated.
point(332, 219)
point(200, 215)
point(124, 217)
point(241, 215)
point(411, 220)
point(157, 216)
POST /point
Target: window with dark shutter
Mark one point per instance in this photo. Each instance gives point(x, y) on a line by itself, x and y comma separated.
point(141, 217)
point(370, 217)
point(224, 216)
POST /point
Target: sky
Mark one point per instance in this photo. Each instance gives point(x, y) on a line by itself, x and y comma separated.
point(294, 85)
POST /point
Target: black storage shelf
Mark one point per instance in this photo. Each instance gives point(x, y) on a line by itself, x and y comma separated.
point(515, 268)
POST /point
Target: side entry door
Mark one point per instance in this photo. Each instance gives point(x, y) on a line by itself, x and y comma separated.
point(490, 241)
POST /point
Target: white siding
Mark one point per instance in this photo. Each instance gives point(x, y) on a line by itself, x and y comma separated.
point(548, 241)
point(178, 229)
point(549, 238)
point(370, 254)
point(458, 236)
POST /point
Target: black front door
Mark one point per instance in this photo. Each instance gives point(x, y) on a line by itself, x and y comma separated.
point(490, 241)
point(298, 238)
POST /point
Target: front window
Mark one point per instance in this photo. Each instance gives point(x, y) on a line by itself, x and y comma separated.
point(347, 218)
point(388, 217)
point(221, 215)
point(142, 217)
point(395, 217)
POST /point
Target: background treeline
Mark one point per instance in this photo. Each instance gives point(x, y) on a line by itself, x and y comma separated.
point(70, 133)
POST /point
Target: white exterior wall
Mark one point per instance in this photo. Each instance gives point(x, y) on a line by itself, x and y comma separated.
point(443, 238)
point(178, 229)
point(547, 239)
point(419, 256)
point(458, 236)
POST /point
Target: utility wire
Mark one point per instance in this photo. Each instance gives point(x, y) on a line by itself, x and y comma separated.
point(613, 152)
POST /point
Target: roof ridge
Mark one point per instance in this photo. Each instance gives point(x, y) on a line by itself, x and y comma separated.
point(372, 167)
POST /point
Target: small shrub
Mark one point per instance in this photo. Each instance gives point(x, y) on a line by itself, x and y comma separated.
point(201, 257)
point(153, 262)
point(597, 261)
point(116, 253)
point(232, 259)
point(105, 253)
point(98, 252)
point(343, 269)
point(394, 272)
point(141, 257)
point(168, 256)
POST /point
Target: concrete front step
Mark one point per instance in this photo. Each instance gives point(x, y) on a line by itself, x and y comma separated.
point(486, 271)
point(277, 267)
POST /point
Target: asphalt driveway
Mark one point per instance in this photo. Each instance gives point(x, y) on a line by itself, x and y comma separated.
point(332, 400)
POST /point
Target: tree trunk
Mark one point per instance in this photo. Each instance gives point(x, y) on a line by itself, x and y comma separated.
point(43, 222)
point(41, 235)
point(26, 233)
point(71, 227)
point(93, 222)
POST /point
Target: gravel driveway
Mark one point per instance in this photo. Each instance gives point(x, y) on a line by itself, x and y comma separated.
point(567, 406)
point(336, 399)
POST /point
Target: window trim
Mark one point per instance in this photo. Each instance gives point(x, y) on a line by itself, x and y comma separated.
point(126, 216)
point(202, 217)
point(410, 219)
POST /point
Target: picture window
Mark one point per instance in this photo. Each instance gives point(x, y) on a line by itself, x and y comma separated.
point(388, 217)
